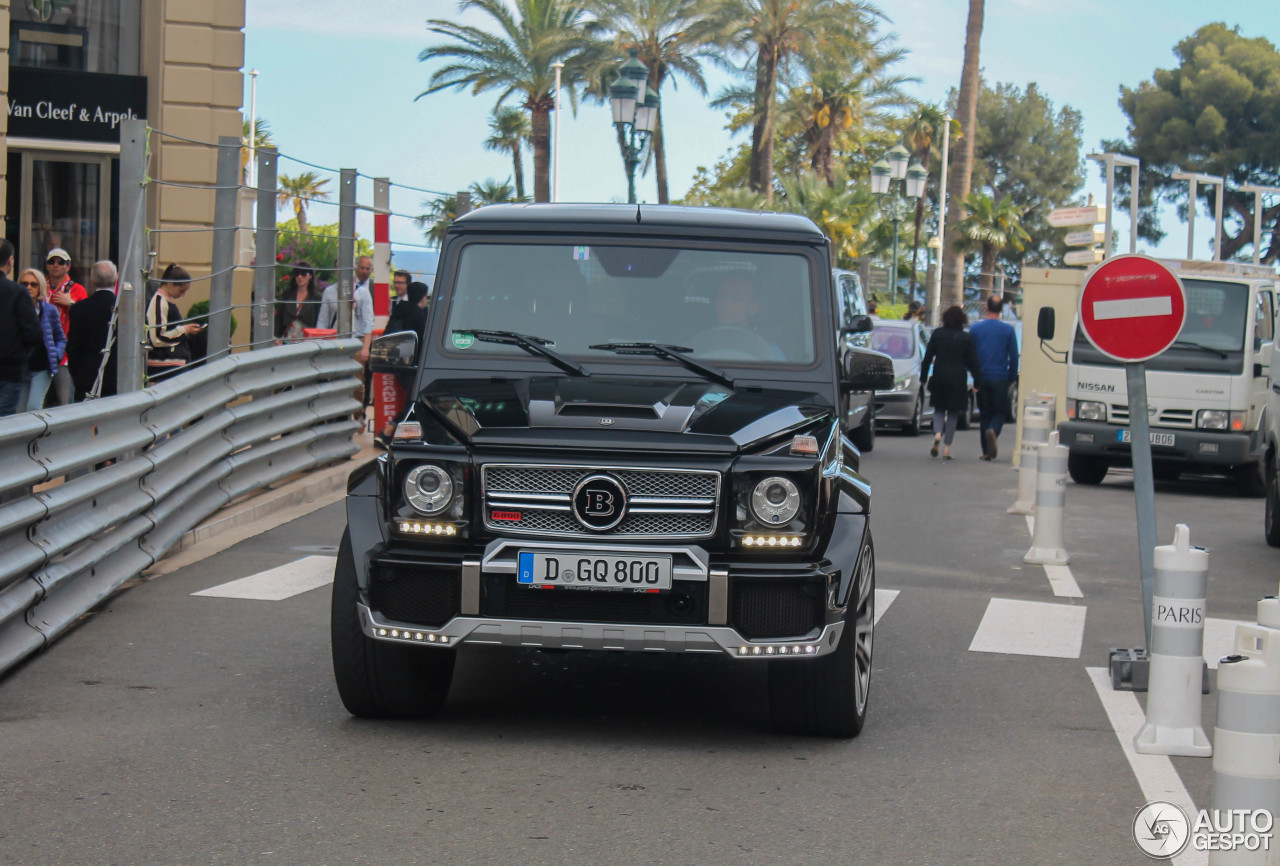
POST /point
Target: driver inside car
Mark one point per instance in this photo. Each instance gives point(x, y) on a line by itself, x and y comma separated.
point(737, 303)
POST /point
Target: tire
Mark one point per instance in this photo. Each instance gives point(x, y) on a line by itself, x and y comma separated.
point(1271, 518)
point(1086, 470)
point(378, 680)
point(912, 427)
point(1251, 480)
point(864, 436)
point(827, 696)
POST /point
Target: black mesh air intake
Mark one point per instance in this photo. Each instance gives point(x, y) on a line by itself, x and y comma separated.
point(776, 608)
point(423, 596)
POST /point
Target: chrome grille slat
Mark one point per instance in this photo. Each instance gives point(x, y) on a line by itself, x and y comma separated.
point(669, 502)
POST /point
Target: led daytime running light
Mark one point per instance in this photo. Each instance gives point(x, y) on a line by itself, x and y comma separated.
point(772, 540)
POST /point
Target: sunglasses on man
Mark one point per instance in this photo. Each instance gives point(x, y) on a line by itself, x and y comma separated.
point(57, 262)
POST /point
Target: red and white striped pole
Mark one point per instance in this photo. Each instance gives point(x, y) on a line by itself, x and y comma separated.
point(388, 398)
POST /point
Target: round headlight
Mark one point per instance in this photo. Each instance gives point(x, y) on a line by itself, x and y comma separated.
point(428, 489)
point(775, 500)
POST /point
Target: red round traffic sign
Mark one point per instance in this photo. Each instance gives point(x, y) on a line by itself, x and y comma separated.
point(1132, 307)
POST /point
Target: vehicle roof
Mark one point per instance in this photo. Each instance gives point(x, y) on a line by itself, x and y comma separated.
point(633, 219)
point(892, 323)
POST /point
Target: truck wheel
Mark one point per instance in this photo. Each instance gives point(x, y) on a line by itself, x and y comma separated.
point(864, 436)
point(913, 426)
point(828, 696)
point(1251, 480)
point(1271, 520)
point(1086, 470)
point(378, 680)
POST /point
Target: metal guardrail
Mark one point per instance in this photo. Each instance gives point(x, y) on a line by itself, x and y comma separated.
point(177, 451)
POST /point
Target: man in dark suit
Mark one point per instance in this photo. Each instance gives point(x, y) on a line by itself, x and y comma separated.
point(90, 329)
point(19, 332)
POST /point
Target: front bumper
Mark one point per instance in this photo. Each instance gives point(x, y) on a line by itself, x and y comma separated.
point(895, 407)
point(1191, 448)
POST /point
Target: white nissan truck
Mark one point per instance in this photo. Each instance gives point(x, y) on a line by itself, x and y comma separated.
point(1207, 394)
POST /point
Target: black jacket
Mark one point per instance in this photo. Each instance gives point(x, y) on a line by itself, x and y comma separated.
point(950, 353)
point(90, 323)
point(406, 317)
point(19, 330)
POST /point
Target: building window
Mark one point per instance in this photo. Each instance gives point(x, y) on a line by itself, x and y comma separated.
point(76, 35)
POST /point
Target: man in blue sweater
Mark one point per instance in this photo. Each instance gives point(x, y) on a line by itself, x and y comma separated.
point(997, 348)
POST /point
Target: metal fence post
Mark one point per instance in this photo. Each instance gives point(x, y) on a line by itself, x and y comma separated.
point(132, 220)
point(224, 246)
point(346, 247)
point(264, 273)
point(463, 203)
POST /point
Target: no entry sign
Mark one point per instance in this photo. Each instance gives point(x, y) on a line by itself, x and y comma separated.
point(1132, 307)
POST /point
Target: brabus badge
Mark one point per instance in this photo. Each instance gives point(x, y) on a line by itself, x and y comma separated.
point(606, 422)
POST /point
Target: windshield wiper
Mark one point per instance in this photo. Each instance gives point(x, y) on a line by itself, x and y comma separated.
point(532, 345)
point(1191, 344)
point(673, 353)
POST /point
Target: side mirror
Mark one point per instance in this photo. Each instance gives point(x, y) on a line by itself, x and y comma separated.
point(1045, 325)
point(860, 324)
point(865, 370)
point(394, 353)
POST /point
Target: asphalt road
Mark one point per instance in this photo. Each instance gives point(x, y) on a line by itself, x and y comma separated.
point(179, 729)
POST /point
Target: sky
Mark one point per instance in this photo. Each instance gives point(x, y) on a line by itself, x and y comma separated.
point(338, 81)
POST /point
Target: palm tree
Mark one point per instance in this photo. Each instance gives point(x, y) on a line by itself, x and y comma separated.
point(920, 134)
point(989, 228)
point(962, 169)
point(670, 37)
point(517, 60)
point(776, 33)
point(262, 139)
point(440, 214)
point(300, 190)
point(508, 130)
point(490, 191)
point(841, 211)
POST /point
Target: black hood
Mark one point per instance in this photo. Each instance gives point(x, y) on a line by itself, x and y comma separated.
point(480, 409)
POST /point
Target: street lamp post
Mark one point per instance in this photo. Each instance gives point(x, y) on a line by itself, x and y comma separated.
point(635, 114)
point(890, 168)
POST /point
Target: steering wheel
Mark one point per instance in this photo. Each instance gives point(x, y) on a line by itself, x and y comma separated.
point(732, 343)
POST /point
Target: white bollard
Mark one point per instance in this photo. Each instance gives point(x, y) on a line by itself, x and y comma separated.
point(1246, 758)
point(1037, 421)
point(1051, 501)
point(1177, 651)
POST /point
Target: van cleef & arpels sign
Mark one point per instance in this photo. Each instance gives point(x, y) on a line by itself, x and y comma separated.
point(74, 106)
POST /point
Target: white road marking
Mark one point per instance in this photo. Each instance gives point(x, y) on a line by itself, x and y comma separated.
point(1030, 628)
point(1063, 581)
point(1219, 639)
point(1133, 308)
point(884, 598)
point(1155, 773)
point(276, 584)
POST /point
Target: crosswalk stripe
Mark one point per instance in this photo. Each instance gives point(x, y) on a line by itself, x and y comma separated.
point(1063, 581)
point(1156, 774)
point(277, 584)
point(1030, 628)
point(884, 598)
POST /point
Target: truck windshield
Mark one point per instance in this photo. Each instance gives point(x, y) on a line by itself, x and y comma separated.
point(1211, 340)
point(722, 305)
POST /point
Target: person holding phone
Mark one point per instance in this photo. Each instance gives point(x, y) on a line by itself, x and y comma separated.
point(168, 348)
point(63, 292)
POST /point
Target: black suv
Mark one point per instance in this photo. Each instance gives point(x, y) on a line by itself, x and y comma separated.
point(624, 435)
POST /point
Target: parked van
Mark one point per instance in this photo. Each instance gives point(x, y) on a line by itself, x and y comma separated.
point(1207, 395)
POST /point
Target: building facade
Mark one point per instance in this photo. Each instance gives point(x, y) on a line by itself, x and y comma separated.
point(72, 70)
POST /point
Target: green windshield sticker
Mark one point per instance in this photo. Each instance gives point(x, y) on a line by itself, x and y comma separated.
point(463, 340)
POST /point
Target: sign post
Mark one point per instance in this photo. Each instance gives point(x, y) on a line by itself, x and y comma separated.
point(1132, 309)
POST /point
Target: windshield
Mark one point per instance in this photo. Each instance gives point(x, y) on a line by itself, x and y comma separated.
point(896, 342)
point(723, 305)
point(1216, 318)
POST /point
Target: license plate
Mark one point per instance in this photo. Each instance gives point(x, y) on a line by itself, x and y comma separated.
point(594, 570)
point(1156, 438)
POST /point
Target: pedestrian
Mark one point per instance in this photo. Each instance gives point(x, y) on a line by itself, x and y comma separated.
point(63, 292)
point(299, 305)
point(47, 357)
point(90, 334)
point(361, 302)
point(950, 353)
point(169, 350)
point(409, 314)
point(997, 346)
point(19, 333)
point(872, 306)
point(913, 311)
point(400, 285)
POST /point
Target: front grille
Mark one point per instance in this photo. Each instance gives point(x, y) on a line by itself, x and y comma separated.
point(672, 503)
point(684, 604)
point(1178, 418)
point(1119, 414)
point(423, 596)
point(776, 608)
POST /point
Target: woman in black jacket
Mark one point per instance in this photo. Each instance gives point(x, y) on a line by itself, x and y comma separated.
point(950, 354)
point(299, 305)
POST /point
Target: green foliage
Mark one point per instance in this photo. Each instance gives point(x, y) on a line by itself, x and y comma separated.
point(199, 312)
point(318, 246)
point(990, 228)
point(1217, 112)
